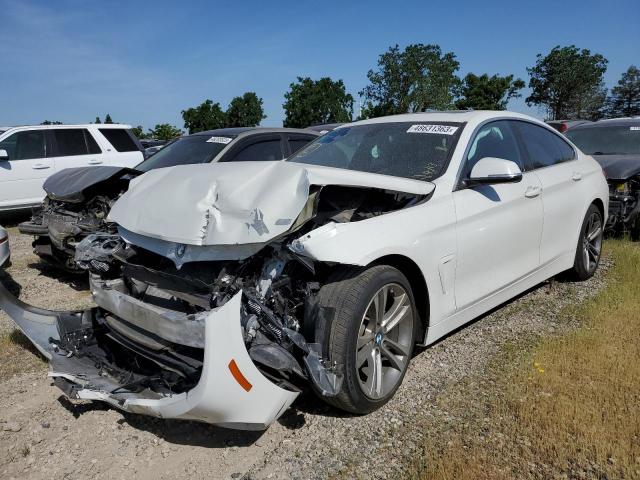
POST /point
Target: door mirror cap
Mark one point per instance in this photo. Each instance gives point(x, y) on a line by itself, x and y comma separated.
point(491, 170)
point(4, 155)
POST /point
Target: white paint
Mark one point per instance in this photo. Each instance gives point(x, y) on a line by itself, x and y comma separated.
point(21, 180)
point(233, 203)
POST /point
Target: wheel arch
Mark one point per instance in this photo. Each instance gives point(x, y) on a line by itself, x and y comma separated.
point(600, 204)
point(418, 284)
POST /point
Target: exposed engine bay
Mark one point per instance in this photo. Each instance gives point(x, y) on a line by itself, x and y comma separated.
point(624, 207)
point(77, 204)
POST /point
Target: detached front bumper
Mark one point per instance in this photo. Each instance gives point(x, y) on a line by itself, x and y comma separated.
point(231, 391)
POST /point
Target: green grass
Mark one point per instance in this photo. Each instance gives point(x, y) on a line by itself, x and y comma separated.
point(569, 407)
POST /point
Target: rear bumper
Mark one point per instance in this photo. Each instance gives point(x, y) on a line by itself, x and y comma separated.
point(231, 391)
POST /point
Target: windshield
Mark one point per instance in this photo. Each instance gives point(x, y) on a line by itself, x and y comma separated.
point(402, 149)
point(186, 151)
point(614, 140)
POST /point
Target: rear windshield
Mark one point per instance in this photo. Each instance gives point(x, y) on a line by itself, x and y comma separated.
point(186, 151)
point(402, 149)
point(120, 138)
point(613, 140)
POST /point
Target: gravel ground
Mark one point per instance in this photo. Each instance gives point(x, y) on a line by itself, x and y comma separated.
point(42, 435)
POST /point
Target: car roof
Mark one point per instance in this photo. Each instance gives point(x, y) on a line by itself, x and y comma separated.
point(82, 125)
point(610, 122)
point(236, 131)
point(458, 116)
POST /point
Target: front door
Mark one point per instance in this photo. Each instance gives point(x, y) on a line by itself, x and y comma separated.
point(26, 169)
point(498, 227)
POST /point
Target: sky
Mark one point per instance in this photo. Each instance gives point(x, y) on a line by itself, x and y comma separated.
point(145, 62)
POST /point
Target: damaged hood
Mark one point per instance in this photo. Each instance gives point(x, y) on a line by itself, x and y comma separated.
point(70, 184)
point(234, 203)
point(619, 167)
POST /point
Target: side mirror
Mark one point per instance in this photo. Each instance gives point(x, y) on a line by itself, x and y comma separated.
point(4, 155)
point(491, 170)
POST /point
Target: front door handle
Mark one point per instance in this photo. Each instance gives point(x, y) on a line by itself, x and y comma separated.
point(94, 162)
point(532, 191)
point(41, 166)
point(576, 177)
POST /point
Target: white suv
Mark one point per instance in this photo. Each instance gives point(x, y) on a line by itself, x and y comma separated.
point(28, 155)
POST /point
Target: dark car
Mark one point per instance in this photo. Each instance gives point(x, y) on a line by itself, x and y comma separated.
point(78, 200)
point(615, 144)
point(563, 125)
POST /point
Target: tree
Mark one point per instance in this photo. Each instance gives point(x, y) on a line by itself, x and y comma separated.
point(107, 119)
point(568, 83)
point(98, 120)
point(139, 132)
point(245, 111)
point(488, 93)
point(164, 131)
point(418, 78)
point(50, 122)
point(625, 96)
point(206, 116)
point(311, 102)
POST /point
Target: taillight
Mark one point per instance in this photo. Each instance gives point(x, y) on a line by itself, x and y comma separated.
point(563, 127)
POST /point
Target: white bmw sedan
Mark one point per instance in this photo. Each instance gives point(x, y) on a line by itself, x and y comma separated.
point(220, 301)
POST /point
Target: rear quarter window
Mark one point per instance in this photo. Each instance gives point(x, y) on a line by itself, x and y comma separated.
point(120, 138)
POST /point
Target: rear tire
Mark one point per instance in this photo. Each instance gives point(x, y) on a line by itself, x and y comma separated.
point(367, 326)
point(634, 233)
point(589, 248)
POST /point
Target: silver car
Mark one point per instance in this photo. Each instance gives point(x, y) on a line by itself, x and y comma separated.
point(4, 247)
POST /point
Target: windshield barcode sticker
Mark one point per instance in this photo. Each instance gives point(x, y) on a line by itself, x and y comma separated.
point(223, 140)
point(441, 129)
point(634, 128)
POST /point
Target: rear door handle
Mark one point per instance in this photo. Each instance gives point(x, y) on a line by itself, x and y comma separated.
point(94, 162)
point(532, 191)
point(576, 177)
point(40, 166)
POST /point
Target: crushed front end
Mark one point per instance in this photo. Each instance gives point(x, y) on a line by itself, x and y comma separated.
point(221, 332)
point(624, 207)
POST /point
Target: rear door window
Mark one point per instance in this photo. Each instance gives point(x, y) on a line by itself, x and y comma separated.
point(296, 143)
point(92, 145)
point(70, 142)
point(120, 139)
point(25, 145)
point(543, 147)
point(261, 151)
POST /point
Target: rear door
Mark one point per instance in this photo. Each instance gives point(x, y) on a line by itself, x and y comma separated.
point(262, 147)
point(122, 148)
point(555, 163)
point(74, 147)
point(295, 141)
point(22, 175)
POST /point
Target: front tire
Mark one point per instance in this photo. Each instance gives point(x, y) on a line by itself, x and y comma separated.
point(368, 327)
point(589, 247)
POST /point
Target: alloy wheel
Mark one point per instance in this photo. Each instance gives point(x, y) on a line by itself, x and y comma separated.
point(592, 242)
point(385, 338)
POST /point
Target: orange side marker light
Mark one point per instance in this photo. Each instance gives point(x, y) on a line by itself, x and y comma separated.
point(237, 374)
